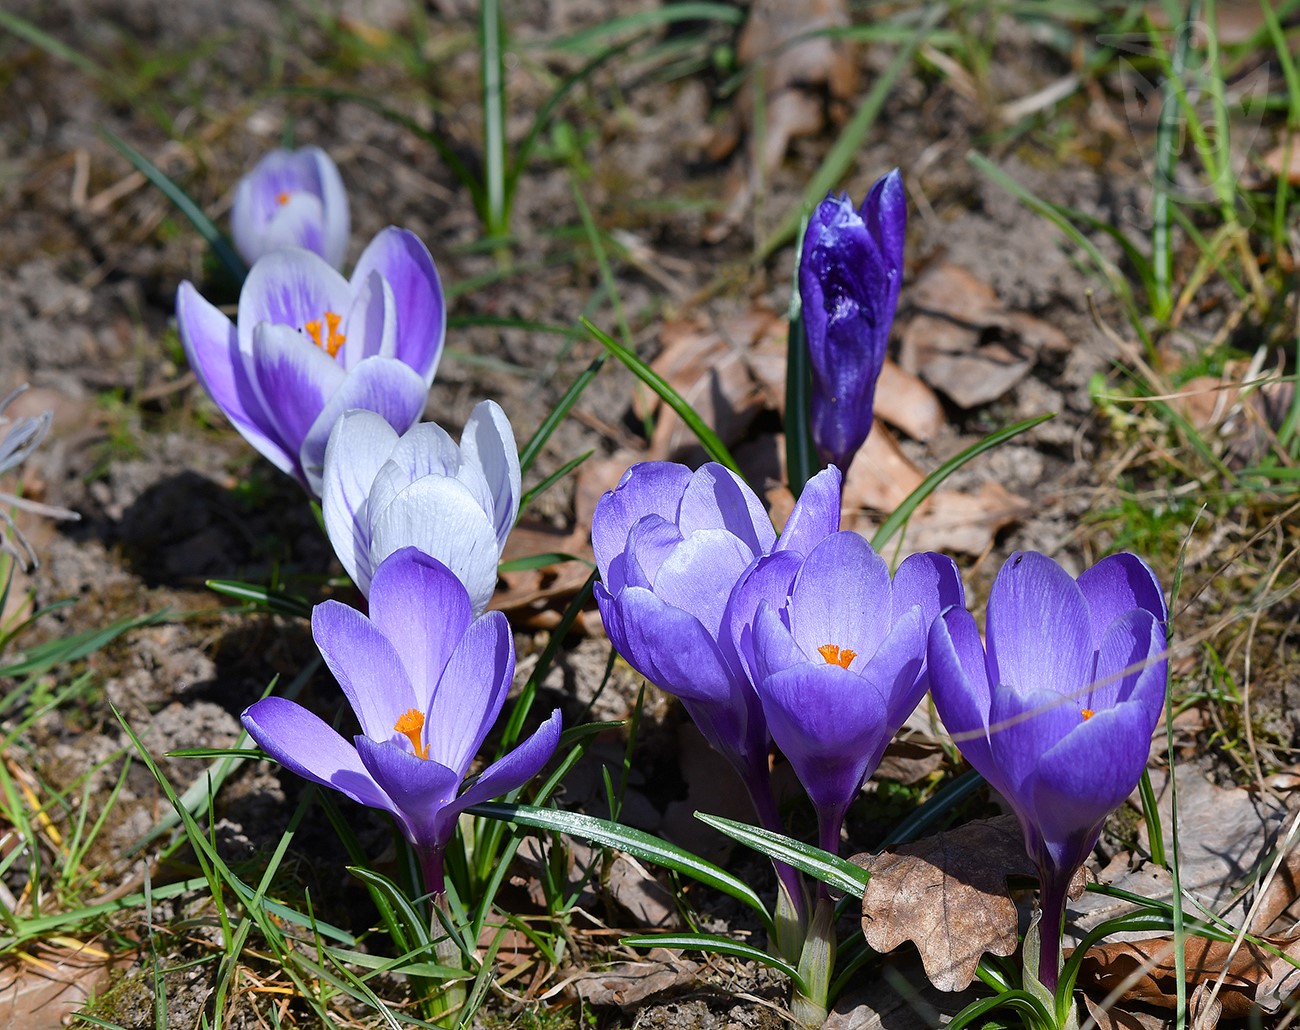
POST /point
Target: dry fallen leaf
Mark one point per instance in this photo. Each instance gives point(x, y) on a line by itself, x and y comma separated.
point(630, 983)
point(1144, 970)
point(805, 71)
point(44, 986)
point(964, 343)
point(531, 596)
point(948, 895)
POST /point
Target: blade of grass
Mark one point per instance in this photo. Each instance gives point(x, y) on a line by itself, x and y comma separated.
point(201, 222)
point(552, 421)
point(496, 215)
point(903, 512)
point(717, 945)
point(716, 449)
point(839, 873)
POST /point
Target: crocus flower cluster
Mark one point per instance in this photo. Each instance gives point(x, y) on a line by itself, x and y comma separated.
point(850, 273)
point(1057, 708)
point(307, 345)
point(426, 679)
point(455, 503)
point(292, 198)
point(803, 638)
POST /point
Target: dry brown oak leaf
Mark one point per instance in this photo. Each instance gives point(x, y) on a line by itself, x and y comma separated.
point(948, 895)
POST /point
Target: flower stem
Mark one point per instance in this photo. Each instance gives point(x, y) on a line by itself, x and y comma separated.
point(792, 903)
point(1053, 890)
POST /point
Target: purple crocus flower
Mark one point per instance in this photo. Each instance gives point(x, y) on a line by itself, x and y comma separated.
point(426, 680)
point(308, 345)
point(671, 546)
point(850, 272)
point(1057, 711)
point(455, 503)
point(837, 656)
point(292, 198)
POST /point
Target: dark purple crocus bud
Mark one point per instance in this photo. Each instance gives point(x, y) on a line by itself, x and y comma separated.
point(1057, 710)
point(849, 276)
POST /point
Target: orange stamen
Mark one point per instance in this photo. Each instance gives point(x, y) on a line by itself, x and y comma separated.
point(409, 724)
point(282, 199)
point(834, 655)
point(1087, 713)
point(333, 340)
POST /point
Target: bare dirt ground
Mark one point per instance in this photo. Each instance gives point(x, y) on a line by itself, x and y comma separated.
point(91, 255)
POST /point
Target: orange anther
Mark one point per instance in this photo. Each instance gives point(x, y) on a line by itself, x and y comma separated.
point(1087, 713)
point(409, 724)
point(834, 655)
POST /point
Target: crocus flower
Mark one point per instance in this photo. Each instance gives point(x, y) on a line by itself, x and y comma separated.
point(456, 503)
point(308, 345)
point(838, 659)
point(1057, 711)
point(292, 198)
point(849, 276)
point(671, 546)
point(426, 680)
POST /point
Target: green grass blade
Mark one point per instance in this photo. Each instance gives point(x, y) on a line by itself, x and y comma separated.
point(849, 144)
point(201, 222)
point(837, 872)
point(492, 38)
point(552, 479)
point(24, 29)
point(44, 657)
point(637, 843)
point(539, 561)
point(276, 601)
point(716, 449)
point(903, 512)
point(716, 945)
point(552, 421)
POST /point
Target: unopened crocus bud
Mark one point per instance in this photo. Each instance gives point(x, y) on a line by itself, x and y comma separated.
point(849, 276)
point(1056, 709)
point(292, 198)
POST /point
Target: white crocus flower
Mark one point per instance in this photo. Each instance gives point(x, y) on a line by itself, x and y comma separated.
point(455, 503)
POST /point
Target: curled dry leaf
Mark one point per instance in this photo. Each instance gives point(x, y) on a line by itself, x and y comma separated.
point(630, 983)
point(534, 597)
point(948, 895)
point(964, 343)
point(47, 985)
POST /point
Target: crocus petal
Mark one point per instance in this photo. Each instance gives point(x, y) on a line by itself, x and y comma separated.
point(488, 442)
point(1119, 584)
point(371, 324)
point(444, 520)
point(291, 288)
point(299, 222)
point(293, 380)
point(698, 574)
point(884, 211)
point(1085, 776)
point(1034, 600)
point(409, 595)
point(367, 667)
point(960, 687)
point(419, 788)
point(930, 580)
point(717, 498)
point(774, 647)
point(826, 720)
point(404, 262)
point(381, 385)
point(212, 348)
point(647, 488)
point(511, 770)
point(469, 696)
point(816, 514)
point(896, 668)
point(304, 744)
point(334, 201)
point(649, 544)
point(769, 580)
point(666, 645)
point(1022, 725)
point(1131, 664)
point(358, 447)
point(841, 597)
